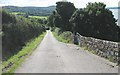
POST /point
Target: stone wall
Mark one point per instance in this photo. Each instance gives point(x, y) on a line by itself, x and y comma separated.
point(103, 48)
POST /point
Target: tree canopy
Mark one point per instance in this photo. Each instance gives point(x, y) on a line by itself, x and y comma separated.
point(96, 21)
point(63, 13)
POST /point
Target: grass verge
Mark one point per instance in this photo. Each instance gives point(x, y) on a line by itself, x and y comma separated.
point(16, 60)
point(59, 38)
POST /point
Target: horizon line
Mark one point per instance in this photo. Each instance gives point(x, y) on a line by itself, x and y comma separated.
point(52, 5)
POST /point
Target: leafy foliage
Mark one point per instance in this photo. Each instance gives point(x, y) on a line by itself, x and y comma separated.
point(96, 21)
point(64, 13)
point(16, 34)
point(51, 21)
point(7, 18)
point(60, 17)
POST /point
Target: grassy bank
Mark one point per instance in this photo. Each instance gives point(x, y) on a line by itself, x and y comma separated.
point(59, 38)
point(16, 60)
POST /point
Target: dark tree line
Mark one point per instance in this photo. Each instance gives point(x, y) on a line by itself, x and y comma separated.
point(17, 31)
point(95, 20)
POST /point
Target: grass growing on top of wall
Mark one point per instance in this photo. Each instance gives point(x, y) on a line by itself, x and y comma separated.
point(15, 61)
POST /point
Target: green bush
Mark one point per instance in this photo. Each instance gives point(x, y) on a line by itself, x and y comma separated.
point(95, 20)
point(17, 32)
point(58, 31)
point(67, 35)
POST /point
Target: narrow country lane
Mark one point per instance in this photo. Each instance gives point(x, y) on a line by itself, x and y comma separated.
point(52, 56)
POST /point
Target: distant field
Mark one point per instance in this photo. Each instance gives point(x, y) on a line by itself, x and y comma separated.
point(17, 13)
point(22, 13)
point(39, 17)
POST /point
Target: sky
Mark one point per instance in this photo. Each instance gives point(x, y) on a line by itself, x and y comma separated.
point(45, 3)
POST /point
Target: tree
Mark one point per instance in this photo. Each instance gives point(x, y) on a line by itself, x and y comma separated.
point(97, 21)
point(10, 18)
point(64, 11)
point(80, 20)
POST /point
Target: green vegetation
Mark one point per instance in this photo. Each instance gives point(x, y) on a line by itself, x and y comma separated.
point(66, 37)
point(8, 18)
point(16, 32)
point(95, 20)
point(18, 58)
point(60, 17)
point(20, 36)
point(38, 17)
point(59, 38)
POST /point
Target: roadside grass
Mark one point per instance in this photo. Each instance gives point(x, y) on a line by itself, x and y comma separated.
point(59, 38)
point(9, 66)
point(38, 17)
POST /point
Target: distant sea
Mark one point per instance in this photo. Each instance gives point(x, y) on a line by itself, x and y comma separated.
point(116, 13)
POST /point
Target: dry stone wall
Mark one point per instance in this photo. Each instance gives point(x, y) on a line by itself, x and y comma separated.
point(103, 48)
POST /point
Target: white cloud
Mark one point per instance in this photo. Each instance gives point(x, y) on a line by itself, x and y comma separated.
point(43, 3)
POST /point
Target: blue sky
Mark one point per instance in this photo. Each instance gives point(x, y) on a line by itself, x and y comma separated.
point(45, 3)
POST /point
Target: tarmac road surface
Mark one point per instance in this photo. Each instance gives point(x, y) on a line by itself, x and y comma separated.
point(52, 56)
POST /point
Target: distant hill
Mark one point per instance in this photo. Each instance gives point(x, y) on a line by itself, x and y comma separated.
point(33, 11)
point(36, 11)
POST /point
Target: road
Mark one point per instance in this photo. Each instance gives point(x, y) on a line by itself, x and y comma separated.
point(52, 56)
